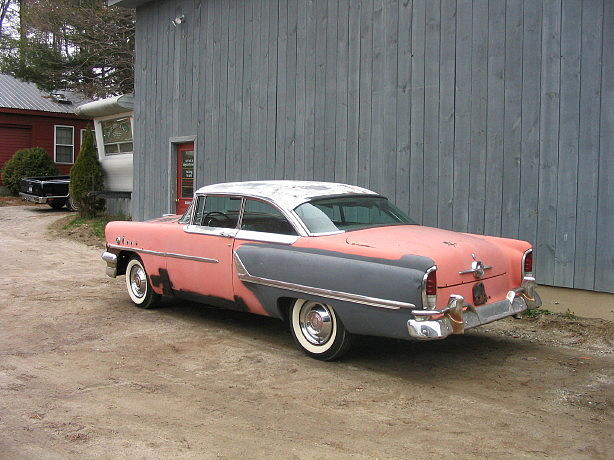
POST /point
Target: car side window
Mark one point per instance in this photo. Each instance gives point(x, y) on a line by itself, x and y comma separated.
point(217, 211)
point(259, 216)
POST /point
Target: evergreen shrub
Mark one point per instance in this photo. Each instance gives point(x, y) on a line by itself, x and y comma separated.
point(30, 162)
point(87, 179)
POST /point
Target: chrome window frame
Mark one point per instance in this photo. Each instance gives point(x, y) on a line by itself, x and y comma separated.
point(247, 234)
point(227, 232)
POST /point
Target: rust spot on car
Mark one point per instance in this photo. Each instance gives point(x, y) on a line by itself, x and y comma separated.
point(162, 280)
point(357, 244)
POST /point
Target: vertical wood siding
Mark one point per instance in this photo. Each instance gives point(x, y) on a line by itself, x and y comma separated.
point(487, 116)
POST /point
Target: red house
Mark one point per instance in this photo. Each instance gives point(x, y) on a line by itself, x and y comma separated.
point(30, 117)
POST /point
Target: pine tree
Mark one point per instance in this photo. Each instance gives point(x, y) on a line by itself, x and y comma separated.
point(87, 179)
point(83, 45)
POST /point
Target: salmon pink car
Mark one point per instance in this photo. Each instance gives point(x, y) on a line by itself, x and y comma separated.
point(333, 260)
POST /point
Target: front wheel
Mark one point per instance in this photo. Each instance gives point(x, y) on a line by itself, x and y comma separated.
point(138, 286)
point(317, 330)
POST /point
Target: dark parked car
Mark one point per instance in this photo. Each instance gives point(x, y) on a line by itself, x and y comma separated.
point(52, 190)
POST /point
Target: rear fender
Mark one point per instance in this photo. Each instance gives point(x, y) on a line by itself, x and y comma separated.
point(352, 284)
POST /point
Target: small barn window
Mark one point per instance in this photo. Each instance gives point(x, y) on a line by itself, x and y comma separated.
point(64, 144)
point(117, 135)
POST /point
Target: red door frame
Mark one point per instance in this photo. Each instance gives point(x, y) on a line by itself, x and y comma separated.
point(184, 177)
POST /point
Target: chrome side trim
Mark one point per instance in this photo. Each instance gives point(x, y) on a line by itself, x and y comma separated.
point(211, 231)
point(246, 277)
point(165, 254)
point(266, 237)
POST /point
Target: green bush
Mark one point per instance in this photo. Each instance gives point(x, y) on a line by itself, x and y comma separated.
point(27, 163)
point(87, 179)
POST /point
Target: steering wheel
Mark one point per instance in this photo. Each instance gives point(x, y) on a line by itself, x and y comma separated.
point(211, 217)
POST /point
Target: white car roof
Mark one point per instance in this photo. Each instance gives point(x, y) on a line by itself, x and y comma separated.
point(287, 194)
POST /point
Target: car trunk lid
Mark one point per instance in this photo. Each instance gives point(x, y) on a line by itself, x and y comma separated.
point(456, 254)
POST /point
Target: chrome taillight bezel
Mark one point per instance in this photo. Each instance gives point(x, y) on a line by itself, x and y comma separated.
point(524, 256)
point(429, 302)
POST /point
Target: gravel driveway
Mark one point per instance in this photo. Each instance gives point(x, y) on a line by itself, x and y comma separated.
point(84, 373)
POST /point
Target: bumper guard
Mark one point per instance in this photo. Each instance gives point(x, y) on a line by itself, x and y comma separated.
point(111, 260)
point(456, 319)
point(40, 199)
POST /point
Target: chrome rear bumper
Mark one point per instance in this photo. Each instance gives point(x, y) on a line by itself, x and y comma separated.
point(40, 199)
point(456, 319)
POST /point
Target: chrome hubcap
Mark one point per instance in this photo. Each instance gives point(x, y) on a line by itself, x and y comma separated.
point(316, 322)
point(138, 281)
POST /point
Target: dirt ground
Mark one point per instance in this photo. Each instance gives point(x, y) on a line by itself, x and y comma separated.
point(83, 373)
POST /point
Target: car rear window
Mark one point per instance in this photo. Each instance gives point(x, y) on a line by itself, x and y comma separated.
point(343, 213)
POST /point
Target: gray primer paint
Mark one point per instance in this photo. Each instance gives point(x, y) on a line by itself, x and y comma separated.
point(399, 280)
point(487, 117)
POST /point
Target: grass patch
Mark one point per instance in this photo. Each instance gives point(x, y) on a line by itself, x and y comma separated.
point(94, 225)
point(543, 312)
point(536, 313)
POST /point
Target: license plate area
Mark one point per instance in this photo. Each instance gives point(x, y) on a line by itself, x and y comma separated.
point(479, 294)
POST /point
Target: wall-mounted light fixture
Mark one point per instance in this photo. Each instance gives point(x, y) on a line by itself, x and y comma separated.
point(178, 20)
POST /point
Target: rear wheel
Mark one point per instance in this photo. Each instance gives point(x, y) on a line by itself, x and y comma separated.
point(318, 331)
point(137, 284)
point(57, 204)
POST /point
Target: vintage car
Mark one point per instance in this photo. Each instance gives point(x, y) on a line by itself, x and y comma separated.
point(52, 190)
point(333, 260)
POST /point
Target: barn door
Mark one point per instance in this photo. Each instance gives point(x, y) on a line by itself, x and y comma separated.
point(185, 176)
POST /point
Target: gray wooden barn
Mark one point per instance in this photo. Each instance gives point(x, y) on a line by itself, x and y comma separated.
point(492, 117)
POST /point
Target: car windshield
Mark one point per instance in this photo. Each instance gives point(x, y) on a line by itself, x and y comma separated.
point(185, 218)
point(342, 213)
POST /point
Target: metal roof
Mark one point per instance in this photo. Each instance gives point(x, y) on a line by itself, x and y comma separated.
point(287, 194)
point(17, 94)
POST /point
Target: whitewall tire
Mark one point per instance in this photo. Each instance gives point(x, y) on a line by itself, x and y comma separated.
point(137, 284)
point(317, 330)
